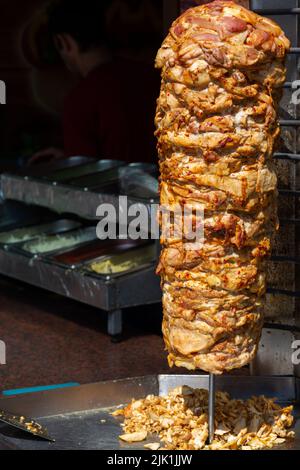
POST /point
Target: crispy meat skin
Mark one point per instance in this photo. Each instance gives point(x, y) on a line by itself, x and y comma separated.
point(222, 72)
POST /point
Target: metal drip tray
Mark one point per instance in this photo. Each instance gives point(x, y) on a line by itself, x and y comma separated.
point(79, 417)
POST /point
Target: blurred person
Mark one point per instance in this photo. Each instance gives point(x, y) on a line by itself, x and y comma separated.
point(110, 112)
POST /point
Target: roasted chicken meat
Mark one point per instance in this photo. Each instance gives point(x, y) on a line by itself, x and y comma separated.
point(222, 69)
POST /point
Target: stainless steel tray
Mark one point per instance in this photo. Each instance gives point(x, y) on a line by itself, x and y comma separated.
point(150, 168)
point(87, 266)
point(104, 175)
point(55, 227)
point(79, 417)
point(60, 198)
point(104, 293)
point(15, 214)
point(84, 170)
point(97, 179)
point(88, 232)
point(86, 253)
point(49, 168)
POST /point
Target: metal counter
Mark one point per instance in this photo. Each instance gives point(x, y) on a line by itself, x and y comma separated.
point(108, 293)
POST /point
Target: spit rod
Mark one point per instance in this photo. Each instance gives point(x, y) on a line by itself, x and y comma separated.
point(211, 407)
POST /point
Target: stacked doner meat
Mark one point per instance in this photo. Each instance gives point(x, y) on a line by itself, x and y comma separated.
point(217, 127)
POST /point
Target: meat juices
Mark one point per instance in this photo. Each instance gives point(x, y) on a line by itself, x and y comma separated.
point(217, 128)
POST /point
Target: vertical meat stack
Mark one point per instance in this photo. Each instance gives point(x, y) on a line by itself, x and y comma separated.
point(217, 127)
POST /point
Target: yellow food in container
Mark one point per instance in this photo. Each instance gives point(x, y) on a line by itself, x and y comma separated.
point(125, 262)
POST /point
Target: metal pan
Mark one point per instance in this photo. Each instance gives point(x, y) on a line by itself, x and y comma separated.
point(10, 222)
point(20, 235)
point(97, 179)
point(150, 168)
point(14, 214)
point(137, 180)
point(115, 186)
point(95, 250)
point(112, 187)
point(135, 187)
point(125, 263)
point(58, 243)
point(44, 169)
point(70, 174)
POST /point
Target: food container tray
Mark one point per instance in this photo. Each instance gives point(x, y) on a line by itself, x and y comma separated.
point(34, 231)
point(49, 168)
point(79, 417)
point(80, 236)
point(150, 168)
point(145, 256)
point(95, 250)
point(15, 214)
point(96, 179)
point(72, 173)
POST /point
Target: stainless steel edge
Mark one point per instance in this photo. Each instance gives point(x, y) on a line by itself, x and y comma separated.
point(60, 198)
point(81, 398)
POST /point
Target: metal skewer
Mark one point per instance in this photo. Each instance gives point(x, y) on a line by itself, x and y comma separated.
point(211, 407)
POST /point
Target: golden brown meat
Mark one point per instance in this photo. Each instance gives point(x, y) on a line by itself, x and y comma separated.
point(217, 128)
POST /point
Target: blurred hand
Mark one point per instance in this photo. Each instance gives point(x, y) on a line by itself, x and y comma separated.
point(45, 156)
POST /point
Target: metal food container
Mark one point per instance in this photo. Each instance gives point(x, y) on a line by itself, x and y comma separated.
point(99, 178)
point(95, 250)
point(16, 214)
point(145, 167)
point(24, 234)
point(59, 242)
point(43, 169)
point(112, 187)
point(73, 173)
point(136, 182)
point(124, 263)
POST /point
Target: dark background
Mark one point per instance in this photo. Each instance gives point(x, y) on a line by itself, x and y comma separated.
point(24, 121)
point(36, 81)
point(36, 85)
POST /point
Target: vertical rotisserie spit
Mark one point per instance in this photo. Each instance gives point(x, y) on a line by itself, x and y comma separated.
point(217, 127)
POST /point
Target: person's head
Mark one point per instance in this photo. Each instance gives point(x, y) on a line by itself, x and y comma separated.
point(78, 29)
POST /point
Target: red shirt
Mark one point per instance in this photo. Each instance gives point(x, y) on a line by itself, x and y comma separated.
point(110, 113)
